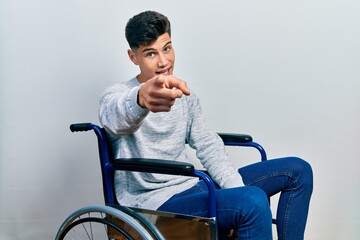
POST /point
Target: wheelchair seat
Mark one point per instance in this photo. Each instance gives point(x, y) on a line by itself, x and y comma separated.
point(157, 225)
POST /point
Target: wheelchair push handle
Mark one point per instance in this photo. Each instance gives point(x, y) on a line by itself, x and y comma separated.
point(81, 127)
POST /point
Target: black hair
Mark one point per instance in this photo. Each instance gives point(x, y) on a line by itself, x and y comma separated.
point(144, 28)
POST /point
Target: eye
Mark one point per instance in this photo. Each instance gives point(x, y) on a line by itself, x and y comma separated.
point(150, 54)
point(167, 49)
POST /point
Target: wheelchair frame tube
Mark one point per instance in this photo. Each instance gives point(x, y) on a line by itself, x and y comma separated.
point(250, 144)
point(211, 187)
point(103, 154)
point(109, 196)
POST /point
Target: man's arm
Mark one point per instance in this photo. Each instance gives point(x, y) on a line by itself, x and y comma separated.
point(119, 112)
point(210, 150)
point(124, 108)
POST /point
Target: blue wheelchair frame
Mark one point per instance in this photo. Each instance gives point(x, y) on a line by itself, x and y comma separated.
point(109, 165)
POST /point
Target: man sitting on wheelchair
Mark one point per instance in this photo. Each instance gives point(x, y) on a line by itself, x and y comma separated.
point(154, 113)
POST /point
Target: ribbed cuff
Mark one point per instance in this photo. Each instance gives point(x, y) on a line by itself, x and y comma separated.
point(235, 182)
point(133, 105)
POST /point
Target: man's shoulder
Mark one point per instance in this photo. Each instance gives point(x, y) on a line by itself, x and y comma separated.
point(122, 86)
point(133, 82)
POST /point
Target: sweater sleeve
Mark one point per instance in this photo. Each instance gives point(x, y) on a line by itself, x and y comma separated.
point(119, 112)
point(210, 149)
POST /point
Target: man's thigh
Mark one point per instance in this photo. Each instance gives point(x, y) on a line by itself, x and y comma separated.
point(272, 176)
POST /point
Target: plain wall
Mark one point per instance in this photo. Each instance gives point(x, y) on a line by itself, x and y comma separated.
point(286, 72)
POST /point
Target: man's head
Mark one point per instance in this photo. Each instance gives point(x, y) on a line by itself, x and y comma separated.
point(144, 28)
point(148, 34)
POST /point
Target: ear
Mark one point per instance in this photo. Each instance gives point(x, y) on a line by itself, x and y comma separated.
point(133, 57)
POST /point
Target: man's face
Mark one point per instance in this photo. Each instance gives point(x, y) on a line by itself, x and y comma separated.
point(154, 59)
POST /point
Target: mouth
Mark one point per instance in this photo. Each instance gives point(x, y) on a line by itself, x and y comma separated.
point(164, 72)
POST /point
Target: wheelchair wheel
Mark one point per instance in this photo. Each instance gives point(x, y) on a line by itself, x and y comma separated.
point(103, 222)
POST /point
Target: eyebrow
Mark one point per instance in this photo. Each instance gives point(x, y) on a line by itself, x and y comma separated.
point(152, 49)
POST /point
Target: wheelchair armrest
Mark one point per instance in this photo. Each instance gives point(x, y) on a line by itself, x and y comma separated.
point(154, 166)
point(167, 167)
point(237, 138)
point(244, 140)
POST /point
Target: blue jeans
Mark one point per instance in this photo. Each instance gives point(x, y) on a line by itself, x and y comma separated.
point(247, 208)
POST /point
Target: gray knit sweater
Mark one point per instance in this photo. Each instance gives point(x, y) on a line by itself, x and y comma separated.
point(136, 132)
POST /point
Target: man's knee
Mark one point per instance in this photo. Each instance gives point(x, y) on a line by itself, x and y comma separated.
point(245, 207)
point(302, 170)
point(257, 203)
point(259, 199)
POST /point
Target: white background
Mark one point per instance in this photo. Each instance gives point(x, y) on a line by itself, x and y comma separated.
point(286, 72)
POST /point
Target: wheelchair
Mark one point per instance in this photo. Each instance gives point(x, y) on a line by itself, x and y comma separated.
point(113, 221)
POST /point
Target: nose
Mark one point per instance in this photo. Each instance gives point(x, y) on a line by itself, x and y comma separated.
point(162, 61)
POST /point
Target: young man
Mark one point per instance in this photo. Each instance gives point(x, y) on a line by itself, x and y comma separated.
point(151, 116)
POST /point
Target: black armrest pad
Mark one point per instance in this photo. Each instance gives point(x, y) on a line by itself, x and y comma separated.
point(79, 127)
point(239, 138)
point(154, 166)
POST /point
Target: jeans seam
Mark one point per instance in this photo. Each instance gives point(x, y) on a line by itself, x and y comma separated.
point(276, 174)
point(286, 215)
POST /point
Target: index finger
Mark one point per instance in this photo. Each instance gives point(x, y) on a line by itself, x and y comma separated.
point(178, 84)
